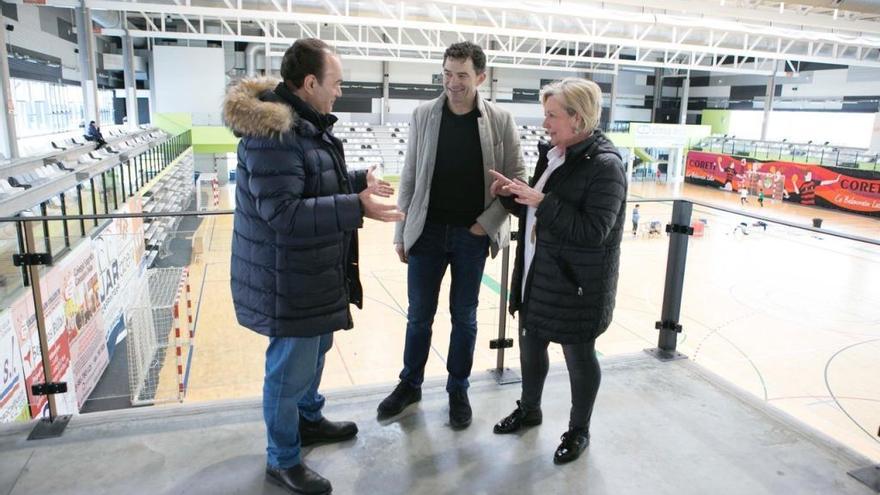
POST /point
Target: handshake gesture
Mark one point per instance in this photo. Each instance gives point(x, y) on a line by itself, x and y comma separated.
point(374, 209)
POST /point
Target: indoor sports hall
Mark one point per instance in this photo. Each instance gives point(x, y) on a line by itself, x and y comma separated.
point(743, 356)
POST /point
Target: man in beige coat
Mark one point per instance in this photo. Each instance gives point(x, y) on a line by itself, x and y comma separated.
point(452, 221)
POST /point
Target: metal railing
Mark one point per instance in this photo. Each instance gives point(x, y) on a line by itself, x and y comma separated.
point(668, 323)
point(808, 153)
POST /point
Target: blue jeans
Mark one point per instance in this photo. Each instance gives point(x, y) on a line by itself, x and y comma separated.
point(293, 373)
point(439, 247)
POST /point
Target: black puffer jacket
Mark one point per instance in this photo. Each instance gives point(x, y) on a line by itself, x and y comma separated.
point(572, 283)
point(294, 243)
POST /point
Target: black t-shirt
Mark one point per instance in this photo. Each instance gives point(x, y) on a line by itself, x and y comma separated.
point(457, 188)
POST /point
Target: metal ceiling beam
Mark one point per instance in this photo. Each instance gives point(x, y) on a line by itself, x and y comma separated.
point(762, 12)
point(379, 51)
point(702, 46)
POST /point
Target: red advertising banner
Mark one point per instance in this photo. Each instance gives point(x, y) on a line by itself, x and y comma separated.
point(856, 191)
point(25, 324)
point(75, 330)
point(74, 283)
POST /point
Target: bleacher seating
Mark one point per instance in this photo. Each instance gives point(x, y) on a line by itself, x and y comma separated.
point(385, 145)
point(71, 155)
point(7, 190)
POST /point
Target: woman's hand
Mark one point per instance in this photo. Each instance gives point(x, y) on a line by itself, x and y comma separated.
point(497, 187)
point(525, 195)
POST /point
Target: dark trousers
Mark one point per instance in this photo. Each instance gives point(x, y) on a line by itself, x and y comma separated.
point(439, 247)
point(583, 373)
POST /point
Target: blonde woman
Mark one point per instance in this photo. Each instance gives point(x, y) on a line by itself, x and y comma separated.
point(571, 219)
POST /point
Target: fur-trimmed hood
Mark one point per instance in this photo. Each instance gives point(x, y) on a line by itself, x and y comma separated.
point(251, 108)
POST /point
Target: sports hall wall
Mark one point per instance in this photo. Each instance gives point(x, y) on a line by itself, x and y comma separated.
point(50, 34)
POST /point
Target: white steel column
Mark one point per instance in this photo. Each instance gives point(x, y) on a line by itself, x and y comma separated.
point(85, 38)
point(131, 106)
point(613, 102)
point(768, 104)
point(386, 102)
point(658, 93)
point(685, 89)
point(8, 136)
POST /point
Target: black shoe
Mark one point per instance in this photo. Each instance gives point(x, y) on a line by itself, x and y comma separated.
point(574, 441)
point(518, 419)
point(299, 479)
point(325, 431)
point(460, 413)
point(404, 394)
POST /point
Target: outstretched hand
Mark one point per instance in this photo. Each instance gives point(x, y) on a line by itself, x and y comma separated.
point(378, 186)
point(374, 209)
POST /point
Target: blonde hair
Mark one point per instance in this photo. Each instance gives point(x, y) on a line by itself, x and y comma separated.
point(579, 97)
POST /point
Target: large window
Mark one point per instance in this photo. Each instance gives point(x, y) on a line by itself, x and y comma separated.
point(47, 108)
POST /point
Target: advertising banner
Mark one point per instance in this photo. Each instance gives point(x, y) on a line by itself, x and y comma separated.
point(74, 327)
point(73, 283)
point(13, 400)
point(24, 322)
point(850, 190)
point(119, 252)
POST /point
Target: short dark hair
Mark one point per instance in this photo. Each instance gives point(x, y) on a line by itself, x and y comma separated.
point(464, 50)
point(304, 57)
point(92, 122)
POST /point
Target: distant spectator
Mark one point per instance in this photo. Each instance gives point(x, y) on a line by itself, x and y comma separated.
point(94, 134)
point(635, 220)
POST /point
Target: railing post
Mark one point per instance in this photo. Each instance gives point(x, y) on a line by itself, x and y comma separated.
point(669, 325)
point(54, 425)
point(503, 375)
point(869, 476)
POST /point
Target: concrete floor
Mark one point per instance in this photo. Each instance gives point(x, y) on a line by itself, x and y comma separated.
point(658, 428)
point(785, 315)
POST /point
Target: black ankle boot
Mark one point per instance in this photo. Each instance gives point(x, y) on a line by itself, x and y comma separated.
point(574, 442)
point(299, 479)
point(403, 395)
point(460, 412)
point(325, 431)
point(519, 418)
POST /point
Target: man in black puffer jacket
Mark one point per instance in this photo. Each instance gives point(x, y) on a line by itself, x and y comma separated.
point(294, 245)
